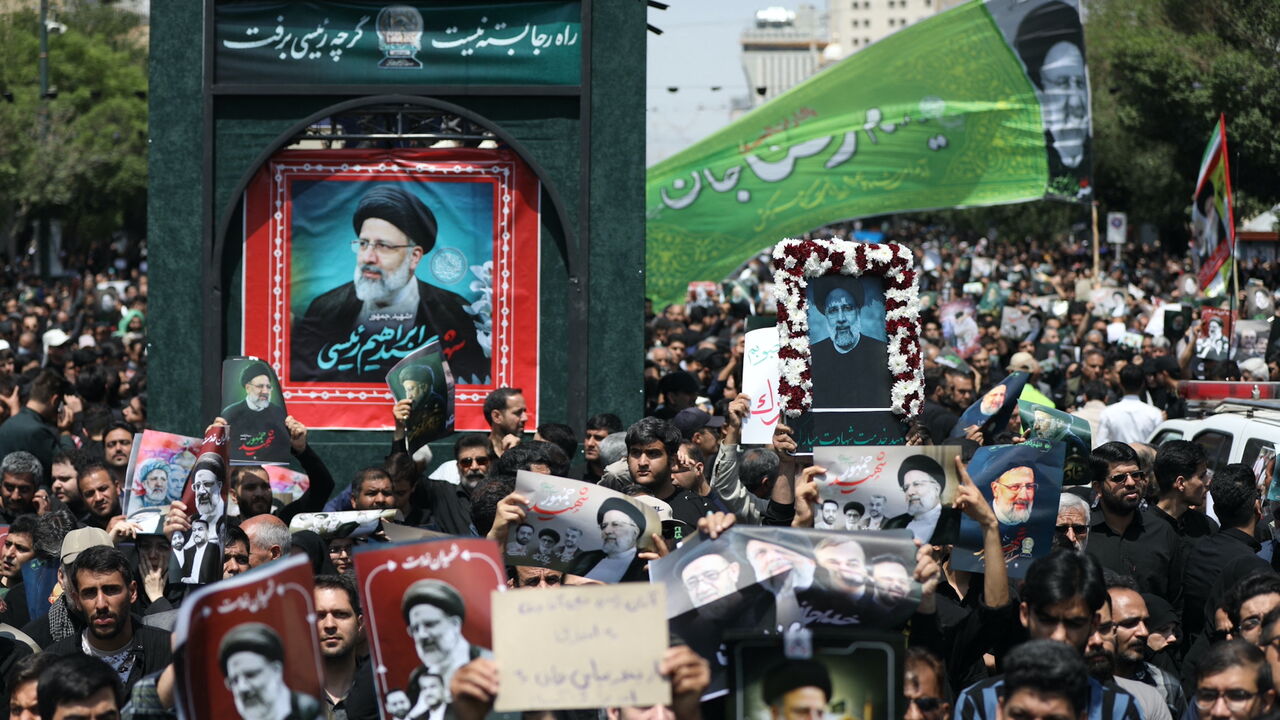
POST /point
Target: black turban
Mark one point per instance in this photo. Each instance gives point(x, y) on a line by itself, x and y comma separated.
point(400, 208)
point(252, 637)
point(925, 464)
point(417, 373)
point(621, 505)
point(253, 370)
point(433, 592)
point(793, 675)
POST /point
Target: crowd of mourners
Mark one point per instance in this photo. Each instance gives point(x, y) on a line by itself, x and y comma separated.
point(1147, 606)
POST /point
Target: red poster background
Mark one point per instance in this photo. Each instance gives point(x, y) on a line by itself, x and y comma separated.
point(266, 301)
point(473, 566)
point(280, 595)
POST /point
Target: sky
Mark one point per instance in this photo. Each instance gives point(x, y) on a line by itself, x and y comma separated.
point(698, 48)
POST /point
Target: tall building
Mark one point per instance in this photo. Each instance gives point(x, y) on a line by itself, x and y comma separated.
point(782, 49)
point(855, 24)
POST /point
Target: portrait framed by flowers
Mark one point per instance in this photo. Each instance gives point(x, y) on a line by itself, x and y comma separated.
point(849, 338)
point(354, 259)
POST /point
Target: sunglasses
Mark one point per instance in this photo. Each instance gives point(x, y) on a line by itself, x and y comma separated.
point(468, 462)
point(1077, 529)
point(925, 704)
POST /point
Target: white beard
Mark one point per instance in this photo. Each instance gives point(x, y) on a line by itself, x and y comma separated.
point(255, 404)
point(1013, 517)
point(383, 288)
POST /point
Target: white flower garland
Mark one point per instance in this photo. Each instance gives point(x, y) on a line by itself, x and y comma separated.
point(794, 262)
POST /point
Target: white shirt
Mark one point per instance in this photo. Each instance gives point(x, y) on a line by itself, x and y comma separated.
point(1127, 421)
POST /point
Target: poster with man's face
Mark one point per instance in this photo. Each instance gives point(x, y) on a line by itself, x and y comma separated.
point(772, 578)
point(158, 468)
point(1048, 38)
point(1022, 483)
point(960, 326)
point(991, 411)
point(581, 529)
point(1251, 339)
point(888, 488)
point(247, 647)
point(427, 613)
point(1055, 426)
point(253, 406)
point(1214, 339)
point(341, 524)
point(197, 554)
point(360, 257)
point(424, 378)
point(836, 674)
point(847, 338)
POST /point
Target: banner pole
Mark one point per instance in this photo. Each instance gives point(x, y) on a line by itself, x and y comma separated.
point(1097, 263)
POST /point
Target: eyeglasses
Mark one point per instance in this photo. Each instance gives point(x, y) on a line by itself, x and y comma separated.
point(1235, 697)
point(379, 247)
point(1121, 477)
point(706, 578)
point(1020, 487)
point(481, 461)
point(618, 525)
point(1077, 529)
point(925, 704)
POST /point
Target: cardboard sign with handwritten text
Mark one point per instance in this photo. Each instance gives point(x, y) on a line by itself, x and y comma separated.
point(245, 644)
point(441, 589)
point(582, 529)
point(760, 383)
point(581, 647)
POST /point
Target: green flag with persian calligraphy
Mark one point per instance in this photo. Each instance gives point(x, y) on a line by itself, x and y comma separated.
point(984, 104)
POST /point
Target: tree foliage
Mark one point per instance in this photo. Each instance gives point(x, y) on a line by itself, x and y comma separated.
point(1161, 72)
point(84, 162)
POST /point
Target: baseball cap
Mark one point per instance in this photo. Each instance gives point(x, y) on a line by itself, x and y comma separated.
point(691, 420)
point(1024, 362)
point(77, 541)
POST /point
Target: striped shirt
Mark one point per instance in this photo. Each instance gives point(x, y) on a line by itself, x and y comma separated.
point(978, 702)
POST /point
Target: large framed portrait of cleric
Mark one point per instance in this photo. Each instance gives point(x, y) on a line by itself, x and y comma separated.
point(354, 259)
point(246, 647)
point(849, 339)
point(427, 613)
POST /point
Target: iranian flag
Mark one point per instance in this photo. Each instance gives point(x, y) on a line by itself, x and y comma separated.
point(1212, 217)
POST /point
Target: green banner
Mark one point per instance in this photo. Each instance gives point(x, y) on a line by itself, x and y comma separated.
point(984, 104)
point(450, 42)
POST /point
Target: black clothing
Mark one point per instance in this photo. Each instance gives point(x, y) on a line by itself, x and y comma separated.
point(938, 421)
point(585, 562)
point(318, 491)
point(1193, 523)
point(28, 431)
point(323, 347)
point(11, 651)
point(362, 699)
point(857, 379)
point(448, 506)
point(257, 435)
point(1205, 561)
point(150, 645)
point(1149, 552)
point(688, 507)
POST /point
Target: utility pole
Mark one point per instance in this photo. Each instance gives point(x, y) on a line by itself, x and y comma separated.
point(42, 221)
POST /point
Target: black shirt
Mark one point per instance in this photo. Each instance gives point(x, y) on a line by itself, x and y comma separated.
point(1193, 523)
point(1149, 552)
point(1205, 561)
point(688, 507)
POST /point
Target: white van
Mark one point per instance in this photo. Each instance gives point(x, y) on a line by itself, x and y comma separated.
point(1235, 432)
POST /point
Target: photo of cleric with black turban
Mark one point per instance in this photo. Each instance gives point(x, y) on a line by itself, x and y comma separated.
point(252, 660)
point(385, 305)
point(850, 367)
